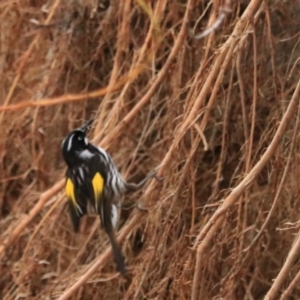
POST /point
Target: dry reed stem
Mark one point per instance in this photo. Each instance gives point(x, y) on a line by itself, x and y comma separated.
point(75, 97)
point(294, 252)
point(191, 121)
point(283, 274)
point(144, 53)
point(159, 77)
point(279, 190)
point(33, 212)
point(291, 287)
point(211, 227)
point(217, 69)
point(24, 60)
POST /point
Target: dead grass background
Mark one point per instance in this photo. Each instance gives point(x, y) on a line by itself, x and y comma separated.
point(218, 114)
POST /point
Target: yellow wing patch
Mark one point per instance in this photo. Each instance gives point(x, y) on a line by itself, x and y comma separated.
point(70, 191)
point(98, 185)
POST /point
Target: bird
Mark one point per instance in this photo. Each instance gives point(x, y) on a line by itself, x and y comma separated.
point(93, 179)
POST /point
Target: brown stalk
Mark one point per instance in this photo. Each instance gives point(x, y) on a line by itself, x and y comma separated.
point(294, 251)
point(33, 212)
point(192, 124)
point(74, 97)
point(24, 60)
point(284, 272)
point(218, 70)
point(211, 227)
point(294, 283)
point(159, 78)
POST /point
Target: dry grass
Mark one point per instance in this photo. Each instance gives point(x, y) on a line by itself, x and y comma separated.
point(218, 114)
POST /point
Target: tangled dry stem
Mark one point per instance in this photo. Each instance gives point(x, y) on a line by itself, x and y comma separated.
point(207, 91)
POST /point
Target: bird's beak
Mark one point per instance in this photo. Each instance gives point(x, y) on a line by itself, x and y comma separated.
point(85, 127)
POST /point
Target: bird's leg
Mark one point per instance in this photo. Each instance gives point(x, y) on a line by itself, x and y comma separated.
point(131, 187)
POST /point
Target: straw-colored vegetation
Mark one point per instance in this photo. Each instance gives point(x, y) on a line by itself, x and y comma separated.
point(218, 114)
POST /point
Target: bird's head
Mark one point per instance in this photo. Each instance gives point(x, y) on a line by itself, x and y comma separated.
point(75, 143)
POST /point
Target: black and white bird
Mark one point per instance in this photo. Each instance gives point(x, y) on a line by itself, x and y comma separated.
point(93, 179)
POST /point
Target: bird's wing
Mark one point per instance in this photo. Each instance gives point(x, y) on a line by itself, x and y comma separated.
point(105, 208)
point(77, 208)
point(97, 194)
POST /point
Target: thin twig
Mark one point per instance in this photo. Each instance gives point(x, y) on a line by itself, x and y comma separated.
point(283, 274)
point(211, 227)
point(75, 97)
point(33, 212)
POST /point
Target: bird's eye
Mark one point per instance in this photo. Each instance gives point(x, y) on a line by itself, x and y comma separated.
point(80, 138)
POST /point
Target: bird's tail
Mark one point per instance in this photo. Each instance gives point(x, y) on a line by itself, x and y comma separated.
point(106, 219)
point(117, 253)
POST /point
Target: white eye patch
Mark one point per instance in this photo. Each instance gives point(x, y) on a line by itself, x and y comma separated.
point(86, 140)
